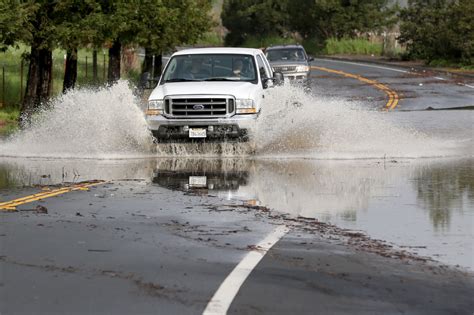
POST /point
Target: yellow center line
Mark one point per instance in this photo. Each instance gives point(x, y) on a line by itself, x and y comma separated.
point(12, 204)
point(393, 97)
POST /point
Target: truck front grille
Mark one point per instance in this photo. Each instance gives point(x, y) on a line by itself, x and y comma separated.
point(285, 69)
point(212, 107)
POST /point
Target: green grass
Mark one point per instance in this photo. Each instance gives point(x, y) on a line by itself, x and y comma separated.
point(352, 46)
point(9, 114)
point(8, 120)
point(314, 47)
point(210, 39)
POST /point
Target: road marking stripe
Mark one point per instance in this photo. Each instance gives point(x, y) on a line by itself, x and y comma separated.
point(387, 68)
point(393, 97)
point(220, 302)
point(365, 65)
point(12, 204)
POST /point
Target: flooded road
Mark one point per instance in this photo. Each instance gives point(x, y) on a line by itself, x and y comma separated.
point(425, 206)
point(404, 178)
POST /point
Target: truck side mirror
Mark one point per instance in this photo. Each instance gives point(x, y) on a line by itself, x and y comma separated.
point(268, 82)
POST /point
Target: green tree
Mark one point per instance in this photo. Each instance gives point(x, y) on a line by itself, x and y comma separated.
point(157, 25)
point(439, 29)
point(36, 28)
point(76, 27)
point(320, 19)
point(43, 25)
point(325, 19)
point(192, 17)
point(244, 18)
point(14, 25)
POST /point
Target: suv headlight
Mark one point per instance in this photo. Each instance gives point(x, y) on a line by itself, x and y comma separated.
point(302, 68)
point(155, 107)
point(245, 106)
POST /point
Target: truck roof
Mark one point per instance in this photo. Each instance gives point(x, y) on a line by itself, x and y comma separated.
point(284, 46)
point(219, 50)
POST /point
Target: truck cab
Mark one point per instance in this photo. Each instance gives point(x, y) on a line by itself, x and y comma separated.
point(210, 93)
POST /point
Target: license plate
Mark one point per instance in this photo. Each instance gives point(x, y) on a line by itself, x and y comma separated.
point(197, 133)
point(197, 181)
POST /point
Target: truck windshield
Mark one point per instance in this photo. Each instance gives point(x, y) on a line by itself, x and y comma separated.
point(294, 54)
point(210, 67)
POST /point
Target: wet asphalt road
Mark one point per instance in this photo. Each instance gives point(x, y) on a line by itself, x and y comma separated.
point(418, 89)
point(145, 242)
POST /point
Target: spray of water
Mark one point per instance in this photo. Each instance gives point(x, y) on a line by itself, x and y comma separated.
point(85, 123)
point(108, 123)
point(298, 124)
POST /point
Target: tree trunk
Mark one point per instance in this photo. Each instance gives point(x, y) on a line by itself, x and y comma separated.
point(32, 79)
point(95, 77)
point(46, 75)
point(70, 73)
point(114, 62)
point(38, 84)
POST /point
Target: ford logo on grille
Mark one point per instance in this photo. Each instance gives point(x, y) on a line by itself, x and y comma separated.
point(198, 107)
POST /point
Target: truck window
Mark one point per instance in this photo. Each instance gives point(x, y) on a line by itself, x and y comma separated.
point(211, 67)
point(171, 70)
point(262, 69)
point(269, 68)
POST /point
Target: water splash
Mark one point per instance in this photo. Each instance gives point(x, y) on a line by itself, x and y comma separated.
point(109, 124)
point(298, 124)
point(85, 123)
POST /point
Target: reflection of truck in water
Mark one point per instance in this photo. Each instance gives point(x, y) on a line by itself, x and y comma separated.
point(187, 179)
point(210, 93)
point(227, 178)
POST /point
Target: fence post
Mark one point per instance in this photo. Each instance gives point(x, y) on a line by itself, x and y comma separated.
point(86, 68)
point(103, 69)
point(51, 88)
point(153, 67)
point(21, 81)
point(3, 86)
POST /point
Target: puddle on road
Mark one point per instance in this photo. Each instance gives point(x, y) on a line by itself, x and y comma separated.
point(426, 205)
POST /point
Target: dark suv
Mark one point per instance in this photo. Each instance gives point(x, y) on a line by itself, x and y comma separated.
point(291, 60)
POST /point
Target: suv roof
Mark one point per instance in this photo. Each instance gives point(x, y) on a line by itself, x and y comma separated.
point(285, 46)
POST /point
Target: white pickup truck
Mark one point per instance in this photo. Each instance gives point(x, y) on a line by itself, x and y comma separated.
point(210, 93)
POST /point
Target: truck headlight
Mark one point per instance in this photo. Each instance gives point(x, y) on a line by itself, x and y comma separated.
point(302, 68)
point(155, 107)
point(245, 106)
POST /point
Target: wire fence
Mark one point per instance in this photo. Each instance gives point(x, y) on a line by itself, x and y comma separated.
point(14, 72)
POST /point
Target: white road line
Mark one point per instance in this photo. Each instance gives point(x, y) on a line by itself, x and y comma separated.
point(440, 78)
point(220, 302)
point(365, 65)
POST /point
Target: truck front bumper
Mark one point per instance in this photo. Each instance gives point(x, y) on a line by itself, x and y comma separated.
point(237, 126)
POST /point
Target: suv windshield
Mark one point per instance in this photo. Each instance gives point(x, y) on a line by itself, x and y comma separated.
point(210, 67)
point(295, 54)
